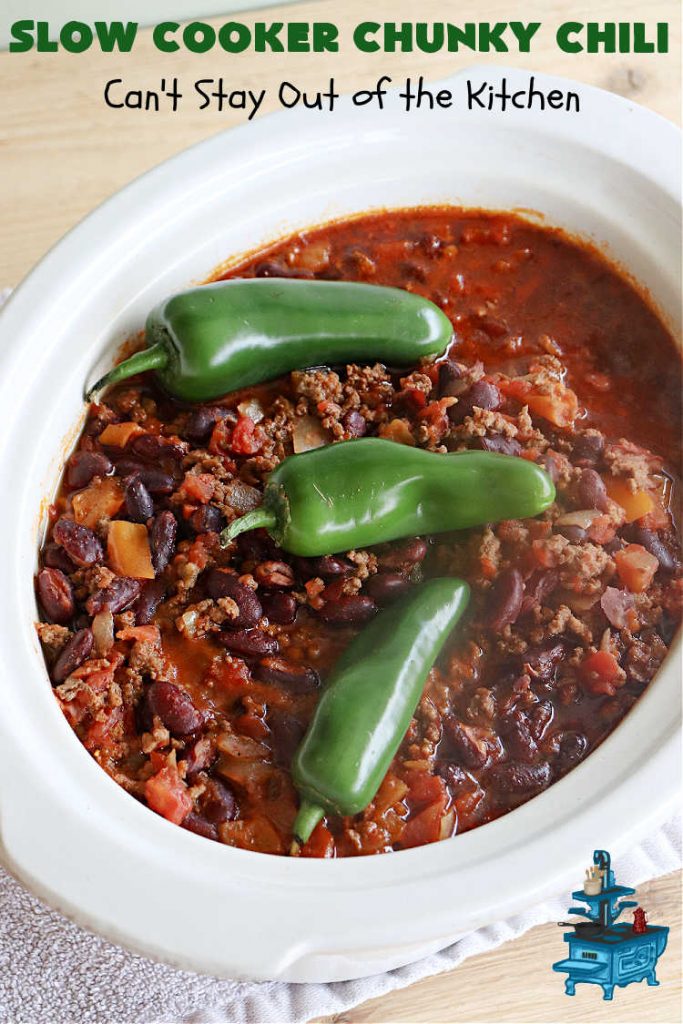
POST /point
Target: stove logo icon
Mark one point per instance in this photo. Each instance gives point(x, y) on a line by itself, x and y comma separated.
point(602, 952)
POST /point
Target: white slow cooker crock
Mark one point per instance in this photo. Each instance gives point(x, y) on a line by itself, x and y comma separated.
point(70, 834)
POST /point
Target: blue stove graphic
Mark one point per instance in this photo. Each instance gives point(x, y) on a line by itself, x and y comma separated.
point(600, 951)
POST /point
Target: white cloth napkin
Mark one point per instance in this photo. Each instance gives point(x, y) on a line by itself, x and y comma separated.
point(52, 971)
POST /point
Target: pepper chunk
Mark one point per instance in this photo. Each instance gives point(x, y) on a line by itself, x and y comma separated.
point(208, 341)
point(366, 706)
point(363, 492)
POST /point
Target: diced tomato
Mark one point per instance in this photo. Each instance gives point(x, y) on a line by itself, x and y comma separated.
point(424, 789)
point(424, 827)
point(198, 487)
point(166, 793)
point(601, 530)
point(247, 437)
point(436, 414)
point(320, 844)
point(100, 734)
point(636, 567)
point(559, 405)
point(255, 834)
point(602, 674)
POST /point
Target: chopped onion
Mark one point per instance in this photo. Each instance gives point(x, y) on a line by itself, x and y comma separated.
point(314, 257)
point(103, 632)
point(308, 433)
point(252, 408)
point(617, 606)
point(447, 823)
point(243, 747)
point(583, 518)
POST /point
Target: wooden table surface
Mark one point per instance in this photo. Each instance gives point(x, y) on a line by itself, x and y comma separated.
point(62, 151)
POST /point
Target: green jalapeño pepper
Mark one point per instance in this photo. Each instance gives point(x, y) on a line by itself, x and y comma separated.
point(366, 706)
point(357, 493)
point(217, 338)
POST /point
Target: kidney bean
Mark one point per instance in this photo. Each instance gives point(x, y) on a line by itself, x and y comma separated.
point(139, 504)
point(450, 379)
point(255, 546)
point(588, 449)
point(465, 750)
point(500, 444)
point(251, 643)
point(81, 544)
point(280, 608)
point(549, 464)
point(592, 492)
point(328, 565)
point(152, 594)
point(505, 602)
point(74, 654)
point(221, 583)
point(574, 534)
point(295, 678)
point(385, 587)
point(162, 537)
point(198, 756)
point(541, 661)
point(520, 743)
point(455, 777)
point(538, 589)
point(286, 735)
point(539, 717)
point(520, 778)
point(155, 480)
point(154, 448)
point(193, 822)
point(174, 707)
point(56, 596)
point(57, 558)
point(573, 747)
point(118, 596)
point(83, 466)
point(201, 421)
point(409, 553)
point(651, 540)
point(207, 519)
point(354, 424)
point(218, 802)
point(483, 394)
point(350, 609)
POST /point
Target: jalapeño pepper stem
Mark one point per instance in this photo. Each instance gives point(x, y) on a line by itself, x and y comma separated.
point(307, 818)
point(254, 520)
point(153, 358)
